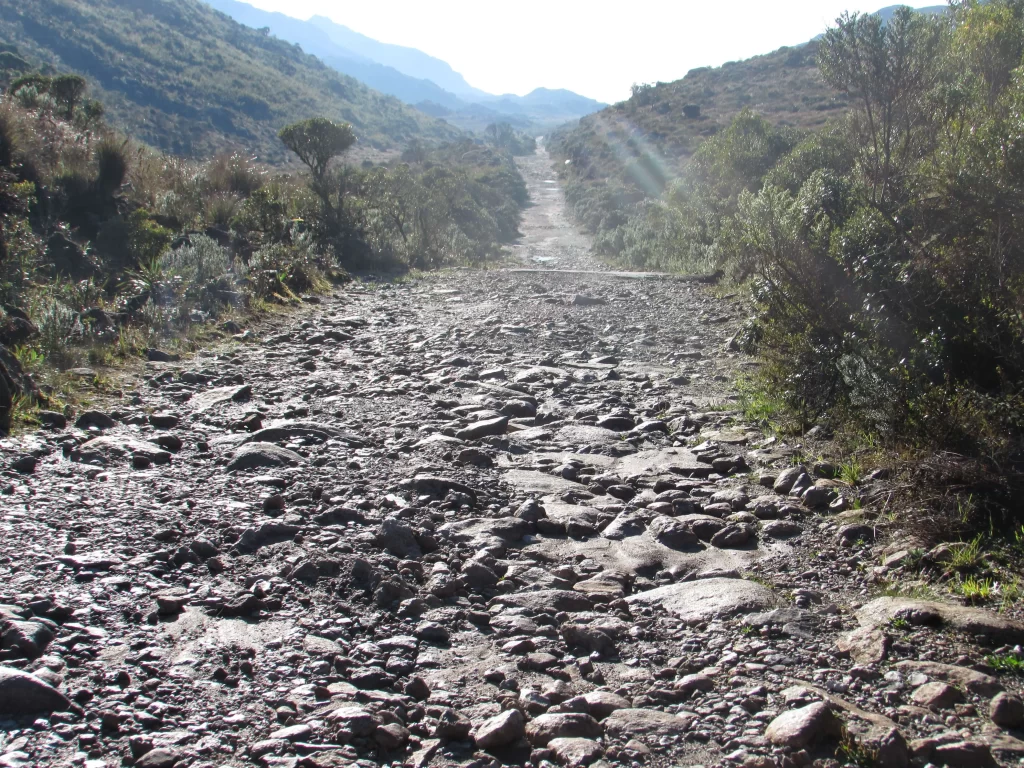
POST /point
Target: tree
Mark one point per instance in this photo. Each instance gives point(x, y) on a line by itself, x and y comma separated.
point(317, 141)
point(68, 91)
point(889, 69)
point(988, 36)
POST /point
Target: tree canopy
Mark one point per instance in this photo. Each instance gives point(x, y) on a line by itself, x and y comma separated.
point(317, 141)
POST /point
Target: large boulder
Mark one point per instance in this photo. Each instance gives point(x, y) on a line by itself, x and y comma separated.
point(708, 598)
point(263, 455)
point(501, 730)
point(24, 694)
point(971, 621)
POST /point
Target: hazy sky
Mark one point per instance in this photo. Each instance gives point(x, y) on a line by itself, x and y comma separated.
point(596, 49)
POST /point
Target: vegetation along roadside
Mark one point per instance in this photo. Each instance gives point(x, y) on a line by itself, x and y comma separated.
point(881, 247)
point(112, 250)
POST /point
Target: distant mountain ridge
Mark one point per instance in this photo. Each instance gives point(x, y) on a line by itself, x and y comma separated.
point(887, 12)
point(408, 61)
point(409, 74)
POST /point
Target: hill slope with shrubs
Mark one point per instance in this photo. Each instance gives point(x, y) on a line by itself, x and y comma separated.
point(188, 80)
point(634, 149)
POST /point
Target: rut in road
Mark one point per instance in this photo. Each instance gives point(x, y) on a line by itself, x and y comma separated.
point(483, 518)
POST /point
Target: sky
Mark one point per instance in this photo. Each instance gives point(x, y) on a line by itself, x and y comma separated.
point(597, 49)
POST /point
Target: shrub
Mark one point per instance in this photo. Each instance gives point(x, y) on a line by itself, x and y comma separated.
point(111, 165)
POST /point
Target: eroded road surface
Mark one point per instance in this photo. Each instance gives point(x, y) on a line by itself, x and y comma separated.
point(480, 519)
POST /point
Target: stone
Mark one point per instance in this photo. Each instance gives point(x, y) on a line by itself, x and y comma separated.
point(259, 455)
point(708, 598)
point(849, 535)
point(732, 536)
point(936, 696)
point(703, 526)
point(391, 736)
point(645, 724)
point(452, 725)
point(817, 496)
point(52, 419)
point(601, 704)
point(964, 754)
point(206, 401)
point(478, 576)
point(315, 645)
point(784, 482)
point(159, 758)
point(1007, 711)
point(29, 637)
point(625, 525)
point(163, 420)
point(482, 429)
point(562, 725)
point(799, 728)
point(590, 639)
point(120, 446)
point(972, 621)
point(866, 645)
point(22, 693)
point(399, 539)
point(968, 679)
point(542, 599)
point(299, 732)
point(689, 683)
point(781, 529)
point(160, 356)
point(25, 465)
point(672, 533)
point(870, 729)
point(575, 753)
point(501, 730)
point(356, 720)
point(95, 419)
point(170, 604)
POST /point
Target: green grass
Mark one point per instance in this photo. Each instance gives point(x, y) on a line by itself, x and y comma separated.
point(852, 752)
point(1006, 664)
point(967, 555)
point(972, 589)
point(899, 624)
point(851, 472)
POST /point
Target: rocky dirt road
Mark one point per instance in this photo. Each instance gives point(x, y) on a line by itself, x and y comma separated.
point(479, 519)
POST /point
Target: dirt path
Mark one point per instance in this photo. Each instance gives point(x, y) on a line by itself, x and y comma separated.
point(482, 519)
point(549, 238)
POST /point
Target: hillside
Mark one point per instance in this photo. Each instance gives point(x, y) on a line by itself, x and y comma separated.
point(326, 40)
point(652, 127)
point(184, 78)
point(412, 75)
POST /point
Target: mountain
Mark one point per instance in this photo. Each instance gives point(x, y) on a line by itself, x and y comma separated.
point(324, 40)
point(408, 61)
point(547, 104)
point(182, 77)
point(887, 12)
point(411, 75)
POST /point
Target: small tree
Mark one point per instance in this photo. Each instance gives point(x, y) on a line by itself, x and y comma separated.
point(889, 70)
point(68, 91)
point(317, 141)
